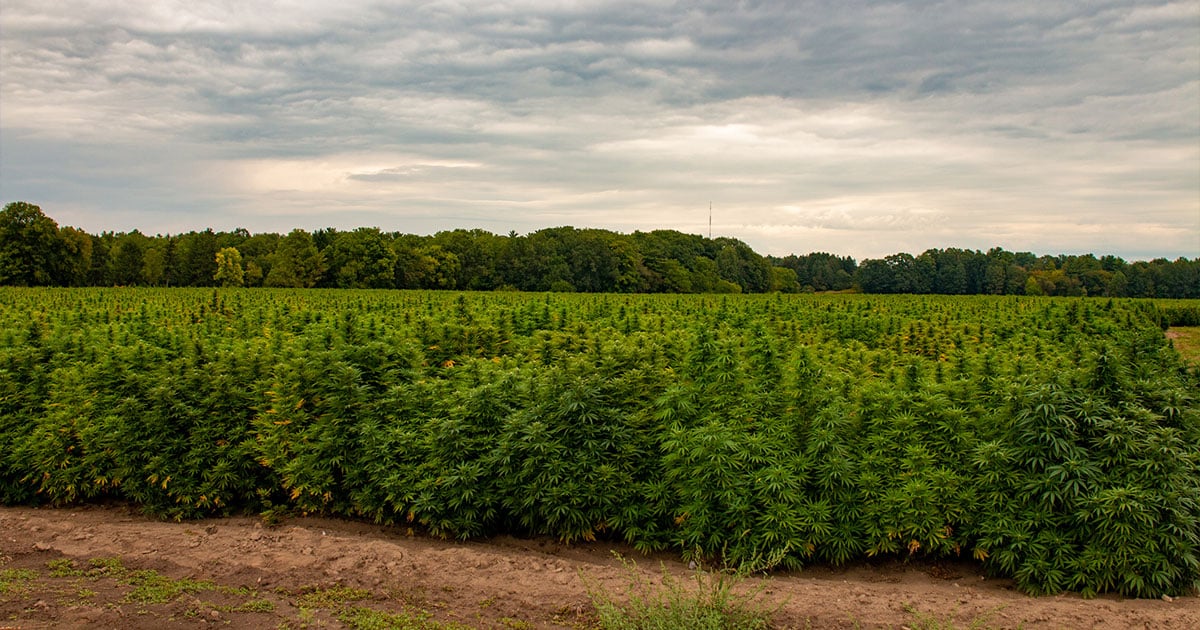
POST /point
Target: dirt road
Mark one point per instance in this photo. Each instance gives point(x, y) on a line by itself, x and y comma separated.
point(110, 567)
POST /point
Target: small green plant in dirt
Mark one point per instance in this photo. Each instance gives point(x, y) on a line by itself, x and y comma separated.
point(342, 603)
point(16, 580)
point(361, 618)
point(332, 597)
point(150, 587)
point(924, 621)
point(106, 567)
point(63, 567)
point(257, 605)
point(707, 601)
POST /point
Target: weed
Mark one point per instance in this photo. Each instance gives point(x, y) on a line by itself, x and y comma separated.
point(106, 567)
point(254, 606)
point(923, 621)
point(63, 567)
point(707, 601)
point(14, 580)
point(152, 588)
point(360, 618)
point(331, 597)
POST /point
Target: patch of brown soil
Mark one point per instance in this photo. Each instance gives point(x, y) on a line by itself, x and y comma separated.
point(286, 576)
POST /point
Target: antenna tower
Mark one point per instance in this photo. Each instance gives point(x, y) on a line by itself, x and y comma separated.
point(710, 220)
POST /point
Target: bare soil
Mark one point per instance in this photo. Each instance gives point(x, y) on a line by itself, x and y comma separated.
point(108, 566)
point(1186, 340)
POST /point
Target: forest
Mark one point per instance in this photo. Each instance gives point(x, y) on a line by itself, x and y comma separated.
point(35, 251)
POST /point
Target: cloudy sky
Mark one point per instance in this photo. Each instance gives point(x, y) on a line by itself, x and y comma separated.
point(859, 128)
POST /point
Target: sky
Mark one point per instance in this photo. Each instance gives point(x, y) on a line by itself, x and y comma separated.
point(857, 128)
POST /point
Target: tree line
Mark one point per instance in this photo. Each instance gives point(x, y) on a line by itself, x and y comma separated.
point(35, 251)
point(999, 272)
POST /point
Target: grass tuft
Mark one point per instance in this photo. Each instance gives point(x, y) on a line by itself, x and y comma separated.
point(360, 618)
point(925, 621)
point(149, 587)
point(706, 601)
point(15, 580)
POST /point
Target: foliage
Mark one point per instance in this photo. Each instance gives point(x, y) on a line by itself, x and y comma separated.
point(998, 272)
point(34, 251)
point(229, 268)
point(1054, 440)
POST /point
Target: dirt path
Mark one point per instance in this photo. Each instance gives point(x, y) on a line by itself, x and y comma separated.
point(109, 567)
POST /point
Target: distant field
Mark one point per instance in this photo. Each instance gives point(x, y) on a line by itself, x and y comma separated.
point(1043, 437)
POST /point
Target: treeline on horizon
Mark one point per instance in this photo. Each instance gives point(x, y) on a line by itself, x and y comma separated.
point(35, 251)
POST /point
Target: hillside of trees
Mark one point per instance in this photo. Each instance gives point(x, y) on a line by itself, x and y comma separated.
point(35, 251)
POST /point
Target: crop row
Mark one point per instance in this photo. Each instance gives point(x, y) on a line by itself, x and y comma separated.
point(1055, 441)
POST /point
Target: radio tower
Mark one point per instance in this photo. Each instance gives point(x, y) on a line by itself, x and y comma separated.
point(710, 220)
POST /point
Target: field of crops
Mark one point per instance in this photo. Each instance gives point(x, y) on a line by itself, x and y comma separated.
point(1057, 441)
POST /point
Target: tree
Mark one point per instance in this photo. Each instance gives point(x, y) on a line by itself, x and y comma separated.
point(256, 256)
point(875, 276)
point(128, 259)
point(739, 264)
point(362, 259)
point(229, 267)
point(910, 275)
point(475, 252)
point(783, 280)
point(950, 277)
point(196, 259)
point(77, 252)
point(1118, 285)
point(1032, 287)
point(31, 251)
point(154, 263)
point(296, 262)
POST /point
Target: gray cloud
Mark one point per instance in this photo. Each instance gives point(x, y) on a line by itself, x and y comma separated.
point(857, 127)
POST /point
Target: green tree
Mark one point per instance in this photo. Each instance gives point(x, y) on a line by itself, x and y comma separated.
point(783, 280)
point(475, 253)
point(1118, 285)
point(77, 250)
point(362, 259)
point(296, 262)
point(1032, 287)
point(875, 276)
point(256, 256)
point(229, 267)
point(31, 251)
point(739, 264)
point(196, 259)
point(128, 259)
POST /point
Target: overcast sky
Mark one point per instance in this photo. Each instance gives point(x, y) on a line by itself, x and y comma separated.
point(858, 128)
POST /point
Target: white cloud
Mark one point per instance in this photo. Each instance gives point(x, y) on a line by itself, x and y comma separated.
point(855, 127)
